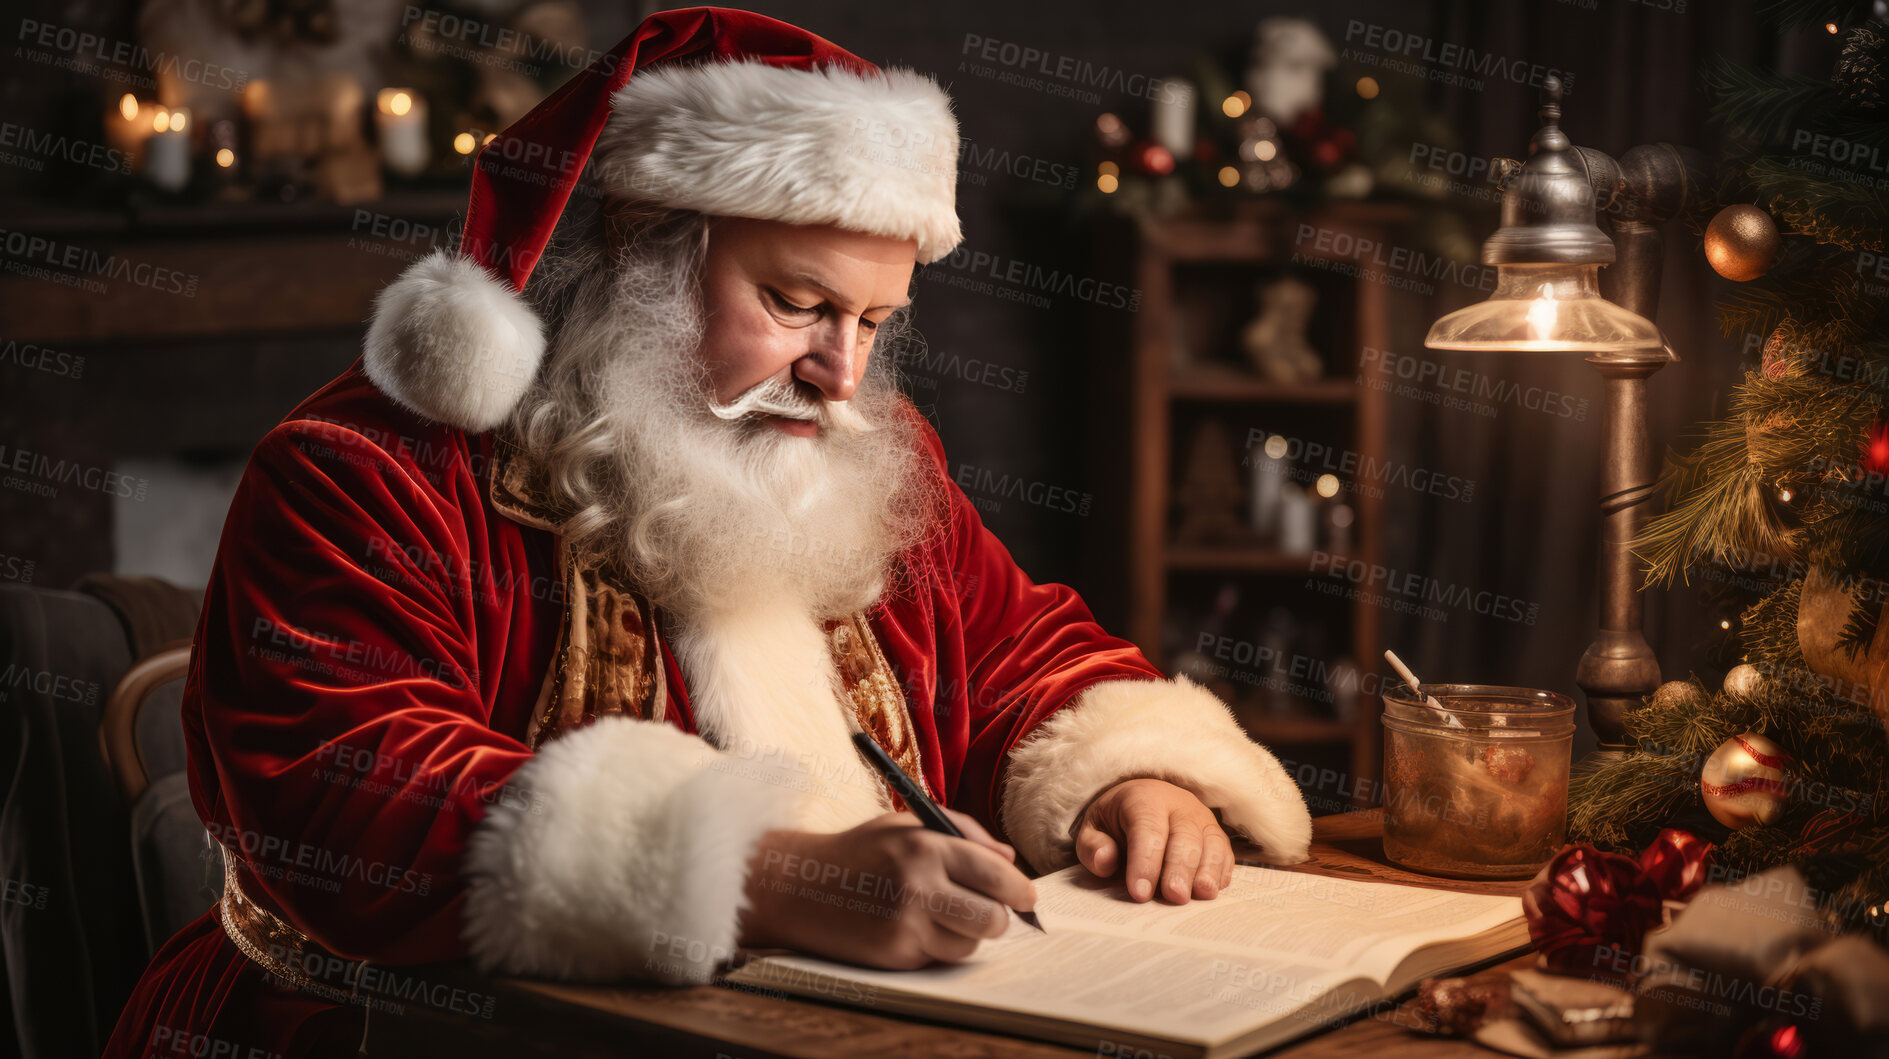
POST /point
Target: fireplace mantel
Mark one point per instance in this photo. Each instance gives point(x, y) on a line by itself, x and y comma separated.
point(174, 334)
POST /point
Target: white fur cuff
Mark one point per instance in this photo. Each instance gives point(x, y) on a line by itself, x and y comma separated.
point(620, 851)
point(1175, 731)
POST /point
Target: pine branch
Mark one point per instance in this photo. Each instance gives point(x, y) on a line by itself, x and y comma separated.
point(1859, 631)
point(1622, 804)
point(1789, 13)
point(1843, 213)
point(1717, 509)
point(1815, 285)
point(1764, 106)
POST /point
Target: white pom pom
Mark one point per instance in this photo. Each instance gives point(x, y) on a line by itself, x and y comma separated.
point(454, 343)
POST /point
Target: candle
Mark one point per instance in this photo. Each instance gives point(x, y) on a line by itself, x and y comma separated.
point(125, 130)
point(167, 151)
point(1171, 122)
point(400, 118)
point(1268, 470)
point(1298, 522)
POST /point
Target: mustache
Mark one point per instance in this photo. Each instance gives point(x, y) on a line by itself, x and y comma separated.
point(786, 398)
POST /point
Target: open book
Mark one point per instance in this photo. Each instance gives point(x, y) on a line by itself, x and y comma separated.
point(1277, 955)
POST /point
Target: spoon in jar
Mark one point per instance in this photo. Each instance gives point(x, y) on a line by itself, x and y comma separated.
point(1416, 686)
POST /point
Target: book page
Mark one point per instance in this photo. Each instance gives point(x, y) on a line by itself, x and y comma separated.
point(1364, 928)
point(1272, 943)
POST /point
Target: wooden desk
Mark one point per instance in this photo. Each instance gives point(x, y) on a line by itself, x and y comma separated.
point(532, 1018)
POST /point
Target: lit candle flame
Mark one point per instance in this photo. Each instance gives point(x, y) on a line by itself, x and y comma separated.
point(1542, 315)
point(161, 121)
point(128, 106)
point(399, 104)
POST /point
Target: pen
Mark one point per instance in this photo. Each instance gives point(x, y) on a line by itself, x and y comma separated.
point(915, 798)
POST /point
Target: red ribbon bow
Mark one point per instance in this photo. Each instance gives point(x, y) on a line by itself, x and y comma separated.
point(1588, 907)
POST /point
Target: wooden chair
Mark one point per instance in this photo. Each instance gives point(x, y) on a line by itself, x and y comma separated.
point(118, 728)
point(173, 859)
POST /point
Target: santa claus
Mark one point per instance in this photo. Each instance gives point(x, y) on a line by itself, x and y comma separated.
point(534, 637)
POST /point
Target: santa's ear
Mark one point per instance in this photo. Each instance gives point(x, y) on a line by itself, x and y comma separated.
point(454, 343)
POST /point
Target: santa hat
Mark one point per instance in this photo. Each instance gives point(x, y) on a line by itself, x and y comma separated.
point(724, 112)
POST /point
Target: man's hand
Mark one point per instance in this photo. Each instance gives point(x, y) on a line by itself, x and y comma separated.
point(1168, 834)
point(887, 893)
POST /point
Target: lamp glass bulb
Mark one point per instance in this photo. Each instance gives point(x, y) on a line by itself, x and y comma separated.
point(1551, 308)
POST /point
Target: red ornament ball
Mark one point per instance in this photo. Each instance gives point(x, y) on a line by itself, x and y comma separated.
point(1153, 159)
point(1876, 449)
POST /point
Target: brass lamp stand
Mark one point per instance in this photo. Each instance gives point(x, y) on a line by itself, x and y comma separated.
point(1550, 297)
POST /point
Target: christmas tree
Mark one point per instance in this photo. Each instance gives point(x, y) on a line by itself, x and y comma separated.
point(1783, 507)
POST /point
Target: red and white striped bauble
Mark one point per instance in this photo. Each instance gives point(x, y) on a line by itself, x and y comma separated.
point(1744, 781)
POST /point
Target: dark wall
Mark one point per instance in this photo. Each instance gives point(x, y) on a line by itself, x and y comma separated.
point(1529, 533)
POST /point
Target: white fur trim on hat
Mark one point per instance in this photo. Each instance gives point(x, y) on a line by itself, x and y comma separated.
point(453, 342)
point(875, 153)
point(620, 851)
point(1171, 730)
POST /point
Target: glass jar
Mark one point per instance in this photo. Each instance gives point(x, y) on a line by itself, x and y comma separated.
point(1479, 789)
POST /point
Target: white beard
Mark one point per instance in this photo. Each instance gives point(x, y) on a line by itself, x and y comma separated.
point(745, 537)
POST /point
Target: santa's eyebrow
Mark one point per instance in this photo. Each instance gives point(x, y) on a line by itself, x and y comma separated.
point(832, 295)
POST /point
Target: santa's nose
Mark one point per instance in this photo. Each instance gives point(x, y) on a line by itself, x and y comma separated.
point(831, 366)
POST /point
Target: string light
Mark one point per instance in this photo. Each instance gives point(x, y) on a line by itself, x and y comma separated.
point(1327, 485)
point(1236, 104)
point(1830, 28)
point(464, 143)
point(1367, 87)
point(128, 107)
point(1229, 176)
point(1107, 182)
point(1784, 495)
point(1725, 624)
point(225, 157)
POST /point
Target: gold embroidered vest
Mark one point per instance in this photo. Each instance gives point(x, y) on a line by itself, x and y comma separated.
point(609, 657)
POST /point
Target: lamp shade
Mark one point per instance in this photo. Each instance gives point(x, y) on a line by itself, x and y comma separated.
point(1550, 308)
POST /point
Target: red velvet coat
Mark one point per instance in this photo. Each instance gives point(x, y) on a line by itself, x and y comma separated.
point(373, 638)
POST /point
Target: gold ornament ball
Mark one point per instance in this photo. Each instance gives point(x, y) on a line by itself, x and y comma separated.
point(1744, 682)
point(1680, 695)
point(1744, 782)
point(1741, 243)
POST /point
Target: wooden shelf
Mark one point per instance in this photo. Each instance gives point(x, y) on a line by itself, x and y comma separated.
point(224, 270)
point(1235, 558)
point(1217, 383)
point(1182, 264)
point(1265, 232)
